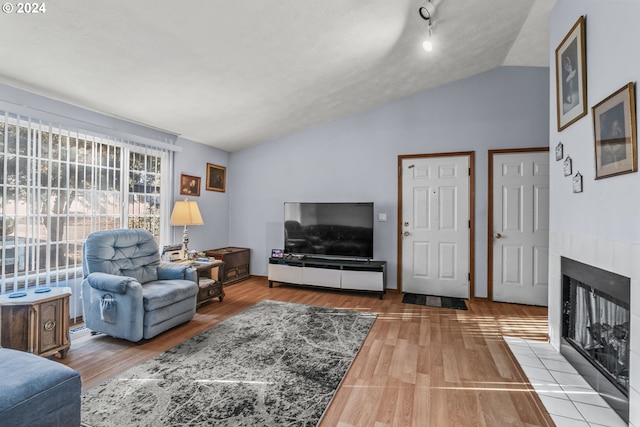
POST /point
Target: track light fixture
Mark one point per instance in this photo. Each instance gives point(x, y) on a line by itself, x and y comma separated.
point(426, 12)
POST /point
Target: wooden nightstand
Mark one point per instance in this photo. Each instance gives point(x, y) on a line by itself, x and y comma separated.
point(210, 287)
point(37, 321)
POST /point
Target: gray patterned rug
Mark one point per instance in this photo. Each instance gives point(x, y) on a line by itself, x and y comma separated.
point(274, 364)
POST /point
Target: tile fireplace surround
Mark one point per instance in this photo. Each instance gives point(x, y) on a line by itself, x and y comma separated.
point(618, 257)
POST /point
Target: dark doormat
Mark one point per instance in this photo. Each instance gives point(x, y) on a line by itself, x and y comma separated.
point(433, 301)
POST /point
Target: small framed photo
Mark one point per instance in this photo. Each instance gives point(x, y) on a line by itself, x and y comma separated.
point(216, 177)
point(559, 151)
point(189, 185)
point(577, 183)
point(571, 76)
point(567, 166)
point(614, 127)
point(277, 253)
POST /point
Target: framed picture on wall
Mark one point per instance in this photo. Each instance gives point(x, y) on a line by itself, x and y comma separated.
point(577, 183)
point(571, 76)
point(189, 185)
point(559, 151)
point(614, 129)
point(567, 166)
point(216, 177)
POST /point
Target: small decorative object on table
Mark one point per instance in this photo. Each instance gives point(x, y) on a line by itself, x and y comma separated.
point(172, 253)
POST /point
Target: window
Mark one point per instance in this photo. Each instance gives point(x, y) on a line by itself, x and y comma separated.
point(144, 192)
point(58, 185)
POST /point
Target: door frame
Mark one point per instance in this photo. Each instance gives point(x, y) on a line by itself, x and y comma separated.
point(472, 192)
point(491, 154)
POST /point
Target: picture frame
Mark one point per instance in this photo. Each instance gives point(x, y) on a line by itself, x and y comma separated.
point(189, 185)
point(571, 76)
point(216, 177)
point(559, 151)
point(567, 166)
point(577, 183)
point(614, 129)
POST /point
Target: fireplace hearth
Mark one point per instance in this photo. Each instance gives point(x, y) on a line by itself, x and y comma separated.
point(596, 329)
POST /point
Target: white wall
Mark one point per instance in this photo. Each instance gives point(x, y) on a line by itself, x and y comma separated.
point(355, 158)
point(600, 226)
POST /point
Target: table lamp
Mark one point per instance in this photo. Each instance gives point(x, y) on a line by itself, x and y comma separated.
point(186, 212)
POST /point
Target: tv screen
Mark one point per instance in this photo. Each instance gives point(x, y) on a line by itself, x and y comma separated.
point(329, 229)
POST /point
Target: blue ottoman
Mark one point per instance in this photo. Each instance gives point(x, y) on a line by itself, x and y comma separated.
point(35, 391)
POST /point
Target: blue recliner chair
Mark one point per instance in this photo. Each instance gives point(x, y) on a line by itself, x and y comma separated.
point(127, 292)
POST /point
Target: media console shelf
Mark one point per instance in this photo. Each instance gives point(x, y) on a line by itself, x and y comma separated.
point(368, 276)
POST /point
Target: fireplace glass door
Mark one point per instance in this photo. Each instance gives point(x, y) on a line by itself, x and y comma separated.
point(598, 328)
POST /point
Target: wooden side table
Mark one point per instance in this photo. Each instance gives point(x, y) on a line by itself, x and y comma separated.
point(36, 321)
point(210, 287)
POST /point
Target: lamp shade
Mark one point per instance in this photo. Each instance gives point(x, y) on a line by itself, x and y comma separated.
point(186, 212)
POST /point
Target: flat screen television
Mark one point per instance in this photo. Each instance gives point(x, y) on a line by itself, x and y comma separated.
point(329, 230)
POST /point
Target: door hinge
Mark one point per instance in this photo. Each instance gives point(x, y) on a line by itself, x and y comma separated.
point(469, 277)
point(469, 223)
point(469, 171)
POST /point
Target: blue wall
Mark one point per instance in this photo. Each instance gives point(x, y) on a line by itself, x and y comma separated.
point(355, 158)
point(213, 204)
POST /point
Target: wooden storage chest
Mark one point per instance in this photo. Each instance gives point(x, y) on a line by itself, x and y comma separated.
point(236, 263)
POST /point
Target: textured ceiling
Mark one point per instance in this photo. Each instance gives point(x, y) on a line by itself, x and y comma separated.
point(232, 74)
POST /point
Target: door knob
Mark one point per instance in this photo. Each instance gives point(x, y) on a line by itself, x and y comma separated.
point(406, 233)
point(497, 236)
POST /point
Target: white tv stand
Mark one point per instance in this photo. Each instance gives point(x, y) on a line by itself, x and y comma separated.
point(352, 275)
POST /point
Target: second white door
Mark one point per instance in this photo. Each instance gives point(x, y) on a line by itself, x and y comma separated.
point(520, 240)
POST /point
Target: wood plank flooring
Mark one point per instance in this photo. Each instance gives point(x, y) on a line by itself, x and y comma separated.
point(419, 366)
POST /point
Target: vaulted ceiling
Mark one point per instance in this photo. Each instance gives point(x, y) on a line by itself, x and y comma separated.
point(233, 74)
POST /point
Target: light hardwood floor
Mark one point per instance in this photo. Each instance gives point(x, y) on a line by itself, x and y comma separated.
point(419, 366)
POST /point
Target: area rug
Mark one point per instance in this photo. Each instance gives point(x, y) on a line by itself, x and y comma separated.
point(274, 364)
point(434, 301)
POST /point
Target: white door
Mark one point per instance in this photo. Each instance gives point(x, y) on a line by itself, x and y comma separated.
point(435, 226)
point(520, 258)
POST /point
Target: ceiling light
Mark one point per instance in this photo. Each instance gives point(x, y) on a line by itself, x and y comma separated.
point(427, 44)
point(426, 12)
